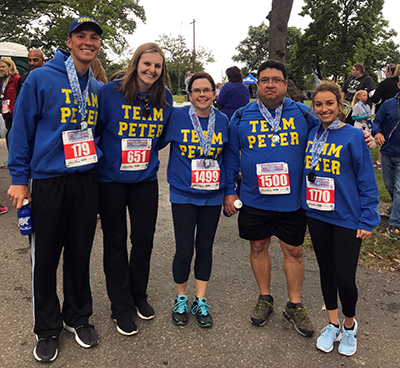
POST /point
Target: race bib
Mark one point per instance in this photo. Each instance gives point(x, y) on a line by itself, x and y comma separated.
point(205, 178)
point(273, 178)
point(79, 148)
point(5, 106)
point(321, 194)
point(135, 154)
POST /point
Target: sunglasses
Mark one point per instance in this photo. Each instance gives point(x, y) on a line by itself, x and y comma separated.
point(146, 108)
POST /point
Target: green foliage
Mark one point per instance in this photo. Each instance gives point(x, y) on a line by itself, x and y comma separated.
point(253, 50)
point(342, 33)
point(180, 60)
point(44, 23)
point(384, 195)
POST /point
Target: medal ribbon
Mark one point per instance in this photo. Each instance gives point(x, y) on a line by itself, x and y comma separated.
point(205, 143)
point(81, 98)
point(319, 142)
point(3, 87)
point(274, 123)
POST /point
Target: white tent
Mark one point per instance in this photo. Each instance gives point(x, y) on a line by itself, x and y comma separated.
point(13, 49)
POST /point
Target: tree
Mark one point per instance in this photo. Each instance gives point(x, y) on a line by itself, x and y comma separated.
point(44, 23)
point(342, 33)
point(253, 50)
point(279, 18)
point(179, 59)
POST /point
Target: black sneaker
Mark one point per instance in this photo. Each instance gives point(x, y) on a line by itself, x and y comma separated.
point(180, 312)
point(144, 310)
point(85, 335)
point(298, 316)
point(393, 232)
point(260, 314)
point(200, 310)
point(46, 349)
point(126, 325)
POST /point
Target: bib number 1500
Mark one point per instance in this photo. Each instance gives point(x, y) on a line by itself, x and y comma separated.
point(273, 180)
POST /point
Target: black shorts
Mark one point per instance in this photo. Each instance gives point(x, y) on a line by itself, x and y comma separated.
point(256, 224)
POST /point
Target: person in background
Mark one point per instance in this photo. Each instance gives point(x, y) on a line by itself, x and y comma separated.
point(187, 80)
point(35, 60)
point(386, 132)
point(234, 94)
point(341, 206)
point(361, 111)
point(134, 109)
point(98, 72)
point(51, 161)
point(386, 89)
point(197, 184)
point(7, 91)
point(358, 80)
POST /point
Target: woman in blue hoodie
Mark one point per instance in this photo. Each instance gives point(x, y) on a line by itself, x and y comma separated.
point(340, 196)
point(135, 108)
point(197, 135)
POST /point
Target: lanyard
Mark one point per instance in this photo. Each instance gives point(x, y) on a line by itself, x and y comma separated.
point(274, 123)
point(81, 98)
point(319, 142)
point(398, 118)
point(3, 87)
point(205, 143)
point(363, 106)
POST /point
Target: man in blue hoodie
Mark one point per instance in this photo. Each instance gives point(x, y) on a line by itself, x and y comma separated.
point(51, 161)
point(386, 132)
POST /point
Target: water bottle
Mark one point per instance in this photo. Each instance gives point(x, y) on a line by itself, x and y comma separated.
point(25, 218)
point(238, 203)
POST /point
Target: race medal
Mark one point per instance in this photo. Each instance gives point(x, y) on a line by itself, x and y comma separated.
point(84, 125)
point(276, 139)
point(273, 178)
point(79, 147)
point(135, 154)
point(205, 178)
point(311, 176)
point(320, 194)
point(5, 106)
point(207, 163)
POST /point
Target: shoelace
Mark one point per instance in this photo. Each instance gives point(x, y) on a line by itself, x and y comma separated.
point(330, 331)
point(262, 304)
point(181, 306)
point(86, 325)
point(301, 313)
point(203, 307)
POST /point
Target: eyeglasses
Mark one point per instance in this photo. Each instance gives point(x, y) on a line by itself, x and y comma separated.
point(198, 91)
point(146, 107)
point(274, 81)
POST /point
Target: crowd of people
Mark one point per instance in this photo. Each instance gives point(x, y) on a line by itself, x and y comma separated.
point(84, 146)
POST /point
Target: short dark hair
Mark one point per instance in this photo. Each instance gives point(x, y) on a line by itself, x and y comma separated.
point(201, 75)
point(360, 68)
point(272, 64)
point(234, 74)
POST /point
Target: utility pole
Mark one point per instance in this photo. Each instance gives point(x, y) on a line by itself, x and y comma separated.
point(194, 45)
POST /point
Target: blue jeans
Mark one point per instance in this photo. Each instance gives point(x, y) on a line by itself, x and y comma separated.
point(391, 178)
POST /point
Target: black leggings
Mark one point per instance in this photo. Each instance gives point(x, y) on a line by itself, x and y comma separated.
point(186, 217)
point(337, 250)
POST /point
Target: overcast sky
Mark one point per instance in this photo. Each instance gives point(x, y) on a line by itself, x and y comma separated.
point(220, 24)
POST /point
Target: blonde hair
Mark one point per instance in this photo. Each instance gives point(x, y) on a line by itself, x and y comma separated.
point(329, 86)
point(98, 71)
point(13, 69)
point(356, 97)
point(128, 76)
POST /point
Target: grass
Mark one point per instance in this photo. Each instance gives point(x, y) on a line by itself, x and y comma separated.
point(380, 251)
point(179, 99)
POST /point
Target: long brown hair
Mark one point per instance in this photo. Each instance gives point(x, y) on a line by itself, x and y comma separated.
point(130, 87)
point(98, 71)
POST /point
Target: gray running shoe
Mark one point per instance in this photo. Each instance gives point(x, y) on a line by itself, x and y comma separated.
point(261, 312)
point(393, 232)
point(298, 316)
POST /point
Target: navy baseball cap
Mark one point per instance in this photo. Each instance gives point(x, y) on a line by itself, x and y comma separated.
point(77, 22)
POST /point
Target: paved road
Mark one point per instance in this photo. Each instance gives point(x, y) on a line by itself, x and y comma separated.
point(232, 342)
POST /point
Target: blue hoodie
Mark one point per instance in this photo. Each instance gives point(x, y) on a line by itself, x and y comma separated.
point(44, 109)
point(119, 120)
point(385, 120)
